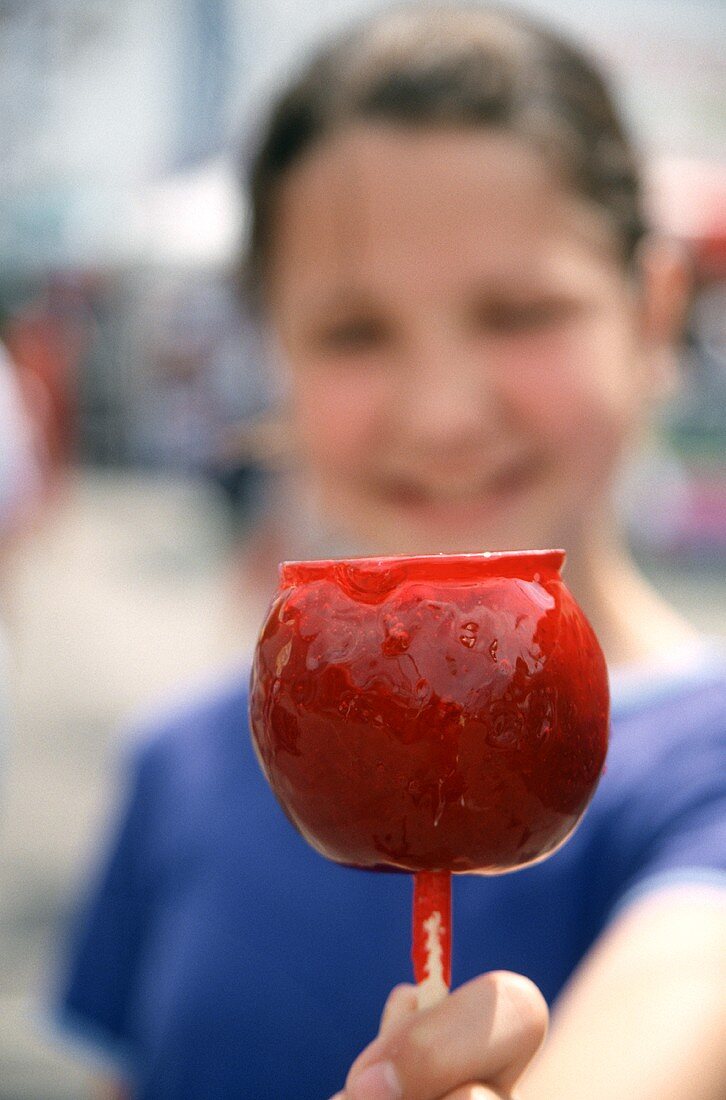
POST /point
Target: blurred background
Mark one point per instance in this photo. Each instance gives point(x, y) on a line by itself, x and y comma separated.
point(142, 506)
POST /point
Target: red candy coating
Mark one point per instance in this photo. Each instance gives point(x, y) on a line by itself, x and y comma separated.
point(433, 713)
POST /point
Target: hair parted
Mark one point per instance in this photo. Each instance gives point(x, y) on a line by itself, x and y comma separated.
point(452, 65)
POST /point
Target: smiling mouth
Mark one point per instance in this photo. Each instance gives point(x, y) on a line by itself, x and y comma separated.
point(493, 492)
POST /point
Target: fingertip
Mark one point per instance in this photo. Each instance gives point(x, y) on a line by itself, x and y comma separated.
point(529, 1004)
point(401, 1004)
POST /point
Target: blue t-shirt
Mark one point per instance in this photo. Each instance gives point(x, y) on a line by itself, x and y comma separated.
point(220, 957)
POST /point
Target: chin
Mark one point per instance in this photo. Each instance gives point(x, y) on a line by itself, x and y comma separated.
point(380, 530)
point(457, 533)
point(403, 539)
point(470, 541)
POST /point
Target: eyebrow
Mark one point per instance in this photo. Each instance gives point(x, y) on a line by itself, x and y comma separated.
point(496, 288)
point(344, 298)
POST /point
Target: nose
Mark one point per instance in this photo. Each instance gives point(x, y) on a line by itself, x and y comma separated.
point(447, 397)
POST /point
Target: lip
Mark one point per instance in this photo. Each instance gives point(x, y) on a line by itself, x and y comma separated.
point(457, 502)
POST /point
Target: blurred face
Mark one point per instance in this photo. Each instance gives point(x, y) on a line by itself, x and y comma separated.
point(462, 345)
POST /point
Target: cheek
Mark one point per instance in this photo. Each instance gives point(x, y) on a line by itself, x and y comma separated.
point(339, 418)
point(579, 393)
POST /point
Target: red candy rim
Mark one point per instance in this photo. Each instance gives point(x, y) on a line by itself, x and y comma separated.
point(525, 564)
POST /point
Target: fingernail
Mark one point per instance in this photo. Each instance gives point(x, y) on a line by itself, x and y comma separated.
point(378, 1082)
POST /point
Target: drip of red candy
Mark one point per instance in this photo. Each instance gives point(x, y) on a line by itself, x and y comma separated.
point(431, 715)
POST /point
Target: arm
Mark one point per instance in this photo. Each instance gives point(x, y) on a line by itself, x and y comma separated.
point(107, 936)
point(643, 1019)
point(645, 1016)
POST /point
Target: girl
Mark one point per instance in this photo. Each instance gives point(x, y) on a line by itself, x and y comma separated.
point(450, 258)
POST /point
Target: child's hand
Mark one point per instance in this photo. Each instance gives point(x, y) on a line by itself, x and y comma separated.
point(475, 1045)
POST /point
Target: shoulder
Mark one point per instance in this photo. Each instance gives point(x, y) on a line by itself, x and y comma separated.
point(189, 740)
point(667, 756)
point(668, 738)
point(194, 716)
point(658, 813)
point(669, 719)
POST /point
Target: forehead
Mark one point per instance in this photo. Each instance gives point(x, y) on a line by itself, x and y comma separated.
point(381, 204)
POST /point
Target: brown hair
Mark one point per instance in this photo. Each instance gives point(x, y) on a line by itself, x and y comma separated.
point(454, 65)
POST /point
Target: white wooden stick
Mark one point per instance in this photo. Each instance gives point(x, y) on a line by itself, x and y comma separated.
point(433, 989)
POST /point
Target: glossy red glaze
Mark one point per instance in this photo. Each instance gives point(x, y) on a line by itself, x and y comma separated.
point(443, 713)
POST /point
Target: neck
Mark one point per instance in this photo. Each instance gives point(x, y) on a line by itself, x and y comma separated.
point(632, 622)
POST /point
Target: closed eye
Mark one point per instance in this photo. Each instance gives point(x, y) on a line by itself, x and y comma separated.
point(502, 318)
point(355, 335)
